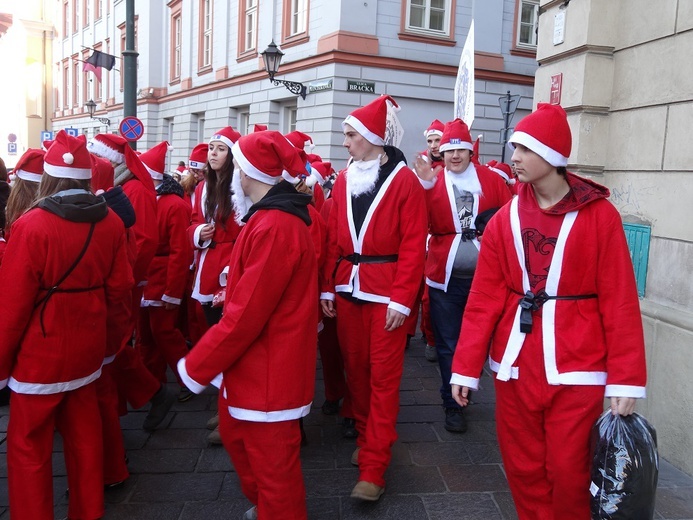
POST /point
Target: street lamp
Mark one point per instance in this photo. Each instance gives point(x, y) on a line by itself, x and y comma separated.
point(272, 57)
point(91, 106)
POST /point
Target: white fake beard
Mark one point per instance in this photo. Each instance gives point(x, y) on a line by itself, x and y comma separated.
point(241, 202)
point(362, 176)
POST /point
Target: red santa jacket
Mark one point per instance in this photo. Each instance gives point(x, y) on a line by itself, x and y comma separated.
point(214, 254)
point(265, 341)
point(60, 346)
point(395, 225)
point(145, 229)
point(444, 224)
point(168, 272)
point(594, 341)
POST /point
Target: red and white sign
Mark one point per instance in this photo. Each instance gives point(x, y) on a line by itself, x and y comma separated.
point(556, 85)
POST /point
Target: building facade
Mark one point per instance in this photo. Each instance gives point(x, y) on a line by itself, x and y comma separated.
point(625, 82)
point(200, 66)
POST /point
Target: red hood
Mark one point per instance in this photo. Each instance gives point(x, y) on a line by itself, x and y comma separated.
point(582, 192)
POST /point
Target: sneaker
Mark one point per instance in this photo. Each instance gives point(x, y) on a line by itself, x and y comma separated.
point(367, 491)
point(431, 353)
point(355, 457)
point(330, 407)
point(213, 423)
point(161, 404)
point(185, 395)
point(455, 420)
point(215, 437)
point(250, 514)
point(349, 428)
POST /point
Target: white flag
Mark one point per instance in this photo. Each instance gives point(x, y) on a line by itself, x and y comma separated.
point(464, 86)
point(394, 132)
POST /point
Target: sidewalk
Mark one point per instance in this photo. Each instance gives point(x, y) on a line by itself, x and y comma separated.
point(434, 475)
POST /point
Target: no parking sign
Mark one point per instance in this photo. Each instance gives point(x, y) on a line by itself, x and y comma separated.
point(131, 128)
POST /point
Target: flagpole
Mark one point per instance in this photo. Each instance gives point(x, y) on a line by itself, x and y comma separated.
point(130, 65)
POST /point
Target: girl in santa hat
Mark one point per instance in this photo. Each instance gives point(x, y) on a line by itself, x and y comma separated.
point(66, 290)
point(24, 181)
point(213, 232)
point(554, 295)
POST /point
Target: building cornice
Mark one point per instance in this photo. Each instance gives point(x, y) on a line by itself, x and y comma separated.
point(602, 50)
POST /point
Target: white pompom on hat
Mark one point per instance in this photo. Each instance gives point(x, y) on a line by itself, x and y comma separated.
point(456, 136)
point(154, 160)
point(68, 158)
point(371, 120)
point(546, 132)
point(269, 157)
point(30, 165)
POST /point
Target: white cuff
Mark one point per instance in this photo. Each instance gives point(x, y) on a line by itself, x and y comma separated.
point(327, 296)
point(188, 381)
point(168, 299)
point(399, 308)
point(427, 185)
point(470, 382)
point(636, 392)
point(223, 276)
point(196, 238)
point(218, 380)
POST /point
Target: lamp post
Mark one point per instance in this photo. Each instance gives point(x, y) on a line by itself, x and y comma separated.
point(91, 107)
point(508, 105)
point(272, 57)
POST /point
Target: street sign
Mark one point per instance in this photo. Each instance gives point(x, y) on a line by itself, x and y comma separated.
point(131, 128)
point(556, 88)
point(12, 138)
point(72, 132)
point(46, 135)
point(11, 148)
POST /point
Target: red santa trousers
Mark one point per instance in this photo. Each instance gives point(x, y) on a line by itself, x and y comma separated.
point(114, 466)
point(426, 324)
point(33, 420)
point(136, 384)
point(544, 438)
point(333, 366)
point(266, 457)
point(160, 341)
point(374, 360)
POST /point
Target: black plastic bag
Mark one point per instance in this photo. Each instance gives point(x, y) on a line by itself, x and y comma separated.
point(625, 467)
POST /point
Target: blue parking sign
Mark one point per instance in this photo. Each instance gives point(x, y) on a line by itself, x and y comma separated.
point(46, 135)
point(72, 132)
point(12, 148)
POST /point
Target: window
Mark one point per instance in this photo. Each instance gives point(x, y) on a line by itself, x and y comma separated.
point(98, 9)
point(176, 52)
point(87, 80)
point(290, 113)
point(67, 90)
point(249, 33)
point(205, 57)
point(66, 18)
point(527, 20)
point(429, 16)
point(75, 16)
point(98, 85)
point(243, 120)
point(298, 17)
point(295, 22)
point(75, 81)
point(86, 12)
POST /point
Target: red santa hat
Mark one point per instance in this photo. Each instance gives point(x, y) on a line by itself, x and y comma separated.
point(101, 174)
point(313, 157)
point(371, 121)
point(259, 128)
point(68, 158)
point(456, 136)
point(269, 157)
point(108, 146)
point(45, 145)
point(502, 169)
point(198, 156)
point(154, 160)
point(436, 128)
point(30, 165)
point(319, 172)
point(546, 132)
point(226, 135)
point(300, 140)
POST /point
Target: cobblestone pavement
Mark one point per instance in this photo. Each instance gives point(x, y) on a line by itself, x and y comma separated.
point(434, 475)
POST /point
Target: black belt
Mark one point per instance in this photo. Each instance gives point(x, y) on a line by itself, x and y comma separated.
point(357, 259)
point(533, 302)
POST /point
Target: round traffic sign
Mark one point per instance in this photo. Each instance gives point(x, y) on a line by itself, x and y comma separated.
point(131, 128)
point(12, 138)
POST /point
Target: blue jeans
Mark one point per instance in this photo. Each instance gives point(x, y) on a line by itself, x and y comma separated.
point(447, 308)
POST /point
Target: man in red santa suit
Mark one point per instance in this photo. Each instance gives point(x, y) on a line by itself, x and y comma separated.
point(371, 278)
point(555, 296)
point(265, 341)
point(159, 339)
point(136, 384)
point(456, 198)
point(66, 292)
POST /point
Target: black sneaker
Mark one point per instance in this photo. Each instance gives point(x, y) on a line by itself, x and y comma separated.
point(330, 407)
point(455, 420)
point(161, 404)
point(349, 428)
